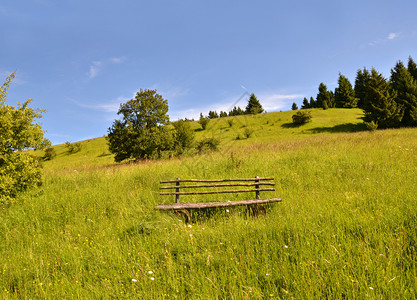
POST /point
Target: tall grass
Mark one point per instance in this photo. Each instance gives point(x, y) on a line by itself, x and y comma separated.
point(346, 227)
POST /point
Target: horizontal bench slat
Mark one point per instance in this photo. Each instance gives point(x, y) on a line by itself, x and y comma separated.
point(217, 180)
point(218, 192)
point(177, 206)
point(215, 185)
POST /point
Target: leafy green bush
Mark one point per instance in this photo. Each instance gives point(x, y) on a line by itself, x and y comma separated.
point(184, 136)
point(208, 144)
point(73, 147)
point(371, 126)
point(18, 169)
point(49, 153)
point(204, 122)
point(248, 132)
point(301, 117)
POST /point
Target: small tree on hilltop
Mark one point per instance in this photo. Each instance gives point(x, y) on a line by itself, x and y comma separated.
point(344, 94)
point(294, 106)
point(305, 104)
point(141, 132)
point(203, 121)
point(325, 98)
point(236, 111)
point(254, 106)
point(313, 103)
point(18, 132)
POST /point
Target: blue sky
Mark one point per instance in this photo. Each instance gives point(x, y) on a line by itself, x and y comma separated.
point(80, 59)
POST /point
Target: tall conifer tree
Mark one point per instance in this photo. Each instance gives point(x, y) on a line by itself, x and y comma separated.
point(344, 94)
point(362, 77)
point(254, 106)
point(412, 68)
point(406, 87)
point(313, 103)
point(305, 104)
point(325, 98)
point(379, 103)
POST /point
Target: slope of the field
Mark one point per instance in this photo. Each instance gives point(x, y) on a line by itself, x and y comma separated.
point(263, 128)
point(346, 228)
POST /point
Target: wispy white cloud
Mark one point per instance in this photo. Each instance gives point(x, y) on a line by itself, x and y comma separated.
point(117, 60)
point(95, 69)
point(390, 37)
point(109, 107)
point(275, 101)
point(97, 66)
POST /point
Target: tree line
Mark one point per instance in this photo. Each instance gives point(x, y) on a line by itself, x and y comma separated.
point(387, 103)
point(253, 107)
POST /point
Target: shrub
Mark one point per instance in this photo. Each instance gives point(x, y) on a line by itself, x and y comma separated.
point(208, 144)
point(371, 126)
point(204, 122)
point(73, 147)
point(301, 117)
point(49, 153)
point(19, 131)
point(248, 132)
point(184, 136)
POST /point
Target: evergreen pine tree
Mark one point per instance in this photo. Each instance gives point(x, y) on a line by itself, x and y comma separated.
point(254, 106)
point(313, 103)
point(331, 103)
point(305, 104)
point(325, 98)
point(362, 77)
point(379, 103)
point(294, 106)
point(412, 68)
point(344, 94)
point(406, 87)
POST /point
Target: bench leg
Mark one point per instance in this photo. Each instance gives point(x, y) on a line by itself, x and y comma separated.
point(184, 214)
point(256, 209)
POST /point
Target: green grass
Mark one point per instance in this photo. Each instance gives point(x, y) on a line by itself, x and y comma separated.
point(347, 226)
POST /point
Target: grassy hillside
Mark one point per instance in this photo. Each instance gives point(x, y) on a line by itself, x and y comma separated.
point(264, 128)
point(346, 227)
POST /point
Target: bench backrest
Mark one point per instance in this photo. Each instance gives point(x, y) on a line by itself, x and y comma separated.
point(240, 185)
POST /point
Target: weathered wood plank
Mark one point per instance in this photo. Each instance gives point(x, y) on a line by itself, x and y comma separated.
point(179, 206)
point(218, 192)
point(215, 185)
point(217, 180)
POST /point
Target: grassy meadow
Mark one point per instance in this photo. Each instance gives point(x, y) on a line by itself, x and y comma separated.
point(346, 228)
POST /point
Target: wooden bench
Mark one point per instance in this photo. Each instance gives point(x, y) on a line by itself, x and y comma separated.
point(193, 186)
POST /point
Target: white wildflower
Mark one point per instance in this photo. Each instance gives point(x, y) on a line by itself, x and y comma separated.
point(150, 272)
point(286, 247)
point(152, 278)
point(134, 280)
